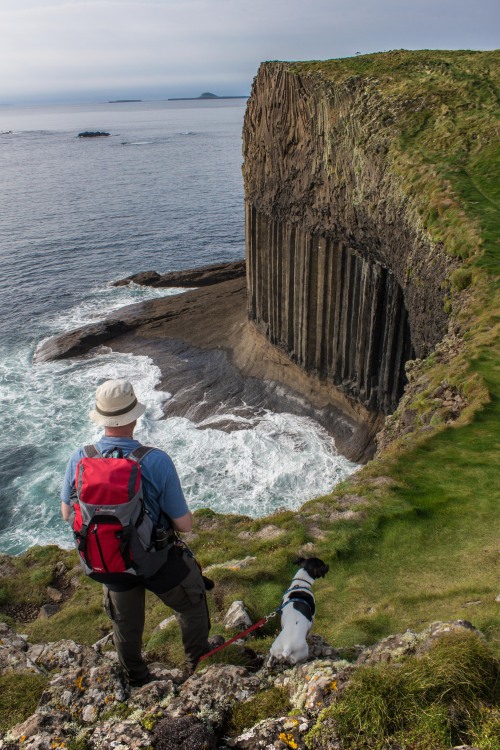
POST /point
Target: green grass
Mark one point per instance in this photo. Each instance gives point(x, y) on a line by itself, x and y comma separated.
point(19, 696)
point(264, 705)
point(438, 699)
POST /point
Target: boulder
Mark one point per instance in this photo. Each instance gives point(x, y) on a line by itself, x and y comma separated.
point(237, 616)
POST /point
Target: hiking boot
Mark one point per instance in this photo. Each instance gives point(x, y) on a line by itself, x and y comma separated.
point(135, 683)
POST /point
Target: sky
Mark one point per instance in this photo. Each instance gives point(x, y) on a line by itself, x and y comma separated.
point(94, 50)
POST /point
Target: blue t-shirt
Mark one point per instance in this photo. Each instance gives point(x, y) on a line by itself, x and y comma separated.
point(162, 489)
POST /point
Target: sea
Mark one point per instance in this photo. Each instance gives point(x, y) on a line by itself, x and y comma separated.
point(162, 192)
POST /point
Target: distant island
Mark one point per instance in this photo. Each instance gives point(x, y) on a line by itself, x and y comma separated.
point(205, 95)
point(92, 134)
point(123, 101)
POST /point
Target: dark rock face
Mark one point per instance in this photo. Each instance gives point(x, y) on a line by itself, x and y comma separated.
point(340, 274)
point(336, 313)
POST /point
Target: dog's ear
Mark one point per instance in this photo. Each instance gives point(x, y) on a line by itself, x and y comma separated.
point(299, 561)
point(323, 570)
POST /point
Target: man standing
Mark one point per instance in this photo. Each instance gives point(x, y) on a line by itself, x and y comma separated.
point(178, 583)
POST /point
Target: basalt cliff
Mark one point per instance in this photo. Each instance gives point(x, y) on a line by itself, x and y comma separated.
point(342, 272)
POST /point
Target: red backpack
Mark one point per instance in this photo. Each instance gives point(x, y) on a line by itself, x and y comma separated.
point(114, 533)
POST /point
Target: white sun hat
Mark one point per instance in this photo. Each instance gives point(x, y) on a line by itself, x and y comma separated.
point(116, 404)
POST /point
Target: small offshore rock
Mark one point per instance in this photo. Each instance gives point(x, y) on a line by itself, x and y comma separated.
point(92, 134)
point(237, 616)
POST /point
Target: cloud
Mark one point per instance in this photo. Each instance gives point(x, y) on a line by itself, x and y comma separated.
point(107, 45)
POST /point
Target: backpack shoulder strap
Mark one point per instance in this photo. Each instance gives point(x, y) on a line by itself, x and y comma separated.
point(90, 451)
point(139, 453)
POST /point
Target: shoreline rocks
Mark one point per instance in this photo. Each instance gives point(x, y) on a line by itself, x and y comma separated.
point(212, 357)
point(191, 277)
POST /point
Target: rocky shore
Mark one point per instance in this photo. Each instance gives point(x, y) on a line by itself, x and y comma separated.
point(213, 359)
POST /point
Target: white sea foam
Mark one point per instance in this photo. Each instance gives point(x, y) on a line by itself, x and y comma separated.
point(272, 461)
point(104, 300)
point(280, 460)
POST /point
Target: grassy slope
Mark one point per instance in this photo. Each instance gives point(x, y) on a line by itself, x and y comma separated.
point(426, 547)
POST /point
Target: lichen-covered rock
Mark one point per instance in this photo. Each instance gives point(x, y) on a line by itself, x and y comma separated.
point(320, 649)
point(285, 732)
point(13, 652)
point(311, 686)
point(156, 693)
point(395, 648)
point(65, 654)
point(84, 693)
point(209, 694)
point(119, 735)
point(39, 731)
point(91, 706)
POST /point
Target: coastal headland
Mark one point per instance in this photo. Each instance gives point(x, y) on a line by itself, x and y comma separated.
point(371, 287)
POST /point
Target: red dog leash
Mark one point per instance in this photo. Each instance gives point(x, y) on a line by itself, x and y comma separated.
point(255, 626)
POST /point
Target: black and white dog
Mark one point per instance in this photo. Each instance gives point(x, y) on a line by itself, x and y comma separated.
point(297, 613)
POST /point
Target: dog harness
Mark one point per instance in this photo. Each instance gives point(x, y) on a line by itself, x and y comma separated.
point(303, 601)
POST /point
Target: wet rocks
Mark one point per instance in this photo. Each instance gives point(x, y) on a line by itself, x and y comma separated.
point(193, 277)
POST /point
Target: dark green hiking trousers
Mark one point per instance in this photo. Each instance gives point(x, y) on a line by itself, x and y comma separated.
point(127, 611)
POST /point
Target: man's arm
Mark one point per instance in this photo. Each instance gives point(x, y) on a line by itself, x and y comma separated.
point(184, 523)
point(65, 510)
